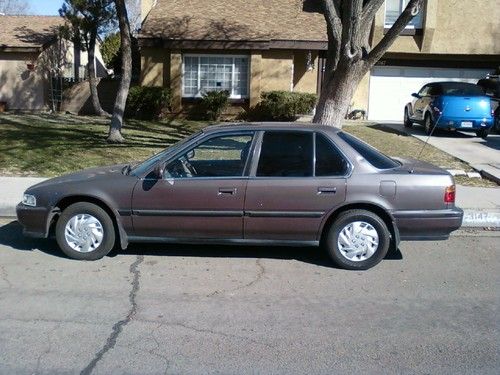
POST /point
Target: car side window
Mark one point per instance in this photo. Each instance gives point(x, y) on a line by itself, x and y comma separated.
point(435, 90)
point(329, 160)
point(223, 156)
point(286, 154)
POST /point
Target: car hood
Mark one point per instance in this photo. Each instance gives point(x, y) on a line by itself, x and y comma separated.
point(84, 175)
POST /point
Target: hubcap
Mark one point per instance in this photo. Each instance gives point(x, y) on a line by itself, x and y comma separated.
point(83, 233)
point(358, 241)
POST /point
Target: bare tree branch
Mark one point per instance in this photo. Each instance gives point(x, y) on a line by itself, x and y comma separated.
point(411, 10)
point(370, 9)
point(332, 15)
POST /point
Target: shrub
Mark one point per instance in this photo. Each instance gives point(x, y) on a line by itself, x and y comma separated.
point(213, 103)
point(284, 105)
point(147, 103)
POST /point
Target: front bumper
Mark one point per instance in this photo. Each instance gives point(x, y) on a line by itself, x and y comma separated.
point(428, 224)
point(35, 220)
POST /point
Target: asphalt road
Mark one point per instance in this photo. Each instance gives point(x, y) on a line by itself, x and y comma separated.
point(432, 308)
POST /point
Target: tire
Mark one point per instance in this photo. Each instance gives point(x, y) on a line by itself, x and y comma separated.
point(483, 133)
point(407, 122)
point(497, 124)
point(85, 223)
point(428, 124)
point(344, 227)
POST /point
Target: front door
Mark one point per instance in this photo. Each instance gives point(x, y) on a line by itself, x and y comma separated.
point(300, 177)
point(201, 194)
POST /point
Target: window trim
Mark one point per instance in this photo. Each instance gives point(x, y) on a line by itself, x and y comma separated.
point(200, 55)
point(409, 29)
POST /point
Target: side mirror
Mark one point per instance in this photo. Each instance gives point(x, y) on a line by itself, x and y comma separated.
point(415, 95)
point(159, 170)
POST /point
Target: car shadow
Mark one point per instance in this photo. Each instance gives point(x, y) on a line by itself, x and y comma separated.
point(11, 235)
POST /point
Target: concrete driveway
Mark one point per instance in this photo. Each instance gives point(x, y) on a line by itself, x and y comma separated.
point(481, 154)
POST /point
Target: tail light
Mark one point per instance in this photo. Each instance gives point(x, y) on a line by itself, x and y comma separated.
point(449, 194)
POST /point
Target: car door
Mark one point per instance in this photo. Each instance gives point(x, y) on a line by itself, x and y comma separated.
point(420, 103)
point(297, 178)
point(201, 194)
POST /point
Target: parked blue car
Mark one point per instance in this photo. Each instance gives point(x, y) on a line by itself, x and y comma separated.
point(450, 105)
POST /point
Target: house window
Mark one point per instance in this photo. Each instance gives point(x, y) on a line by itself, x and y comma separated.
point(393, 8)
point(202, 73)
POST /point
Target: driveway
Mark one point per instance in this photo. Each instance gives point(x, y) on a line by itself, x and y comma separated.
point(432, 308)
point(481, 154)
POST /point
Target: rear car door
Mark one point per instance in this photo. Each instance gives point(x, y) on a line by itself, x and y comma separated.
point(298, 177)
point(201, 194)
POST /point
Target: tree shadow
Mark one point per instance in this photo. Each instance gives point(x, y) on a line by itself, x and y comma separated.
point(11, 235)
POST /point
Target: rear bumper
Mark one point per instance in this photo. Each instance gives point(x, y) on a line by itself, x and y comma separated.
point(428, 224)
point(34, 220)
point(452, 122)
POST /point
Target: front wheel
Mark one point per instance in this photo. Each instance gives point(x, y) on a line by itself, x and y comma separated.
point(85, 231)
point(407, 122)
point(357, 240)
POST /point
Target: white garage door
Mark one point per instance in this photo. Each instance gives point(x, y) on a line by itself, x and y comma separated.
point(391, 87)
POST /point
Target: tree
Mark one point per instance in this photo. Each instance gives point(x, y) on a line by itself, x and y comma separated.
point(111, 52)
point(14, 7)
point(349, 55)
point(115, 135)
point(87, 19)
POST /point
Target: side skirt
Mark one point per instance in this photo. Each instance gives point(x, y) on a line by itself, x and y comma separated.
point(219, 241)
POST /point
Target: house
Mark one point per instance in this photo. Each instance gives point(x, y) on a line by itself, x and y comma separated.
point(252, 46)
point(31, 55)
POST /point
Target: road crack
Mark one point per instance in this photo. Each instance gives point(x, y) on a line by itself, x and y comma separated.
point(260, 273)
point(118, 326)
point(5, 276)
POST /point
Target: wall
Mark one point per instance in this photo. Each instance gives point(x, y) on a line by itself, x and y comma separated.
point(304, 80)
point(277, 70)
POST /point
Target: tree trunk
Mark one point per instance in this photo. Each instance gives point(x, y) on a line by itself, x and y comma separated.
point(115, 135)
point(337, 93)
point(94, 95)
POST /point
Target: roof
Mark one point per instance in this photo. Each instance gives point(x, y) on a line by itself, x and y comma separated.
point(28, 31)
point(235, 20)
point(241, 126)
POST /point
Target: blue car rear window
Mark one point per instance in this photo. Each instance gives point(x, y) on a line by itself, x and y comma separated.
point(458, 89)
point(372, 155)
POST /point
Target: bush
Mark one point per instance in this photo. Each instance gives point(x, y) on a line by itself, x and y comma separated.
point(147, 103)
point(213, 103)
point(284, 105)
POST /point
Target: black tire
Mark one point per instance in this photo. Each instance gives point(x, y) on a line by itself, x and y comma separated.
point(483, 133)
point(496, 124)
point(344, 219)
point(428, 124)
point(108, 231)
point(407, 122)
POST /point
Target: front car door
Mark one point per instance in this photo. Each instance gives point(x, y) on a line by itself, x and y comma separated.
point(420, 103)
point(201, 194)
point(298, 177)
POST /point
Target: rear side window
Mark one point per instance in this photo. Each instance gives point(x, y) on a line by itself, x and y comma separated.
point(286, 154)
point(372, 155)
point(459, 89)
point(329, 160)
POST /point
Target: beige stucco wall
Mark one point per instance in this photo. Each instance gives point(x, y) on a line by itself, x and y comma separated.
point(153, 63)
point(277, 70)
point(305, 80)
point(20, 88)
point(360, 97)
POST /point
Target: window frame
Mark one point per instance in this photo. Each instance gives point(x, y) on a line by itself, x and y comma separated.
point(199, 56)
point(420, 26)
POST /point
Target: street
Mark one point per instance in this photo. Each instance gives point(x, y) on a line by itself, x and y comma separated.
point(431, 308)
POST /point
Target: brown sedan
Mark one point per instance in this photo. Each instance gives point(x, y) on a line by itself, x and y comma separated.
point(265, 184)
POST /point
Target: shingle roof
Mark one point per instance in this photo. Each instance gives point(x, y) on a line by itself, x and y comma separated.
point(28, 31)
point(234, 20)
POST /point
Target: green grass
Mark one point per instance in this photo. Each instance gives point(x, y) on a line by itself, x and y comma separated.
point(51, 145)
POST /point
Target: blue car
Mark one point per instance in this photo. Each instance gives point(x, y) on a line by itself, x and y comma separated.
point(452, 106)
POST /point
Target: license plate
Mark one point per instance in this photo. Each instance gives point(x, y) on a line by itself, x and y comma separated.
point(466, 124)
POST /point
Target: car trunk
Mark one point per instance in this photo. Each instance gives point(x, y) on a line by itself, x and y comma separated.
point(466, 107)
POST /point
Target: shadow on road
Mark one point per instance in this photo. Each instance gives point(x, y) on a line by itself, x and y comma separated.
point(11, 235)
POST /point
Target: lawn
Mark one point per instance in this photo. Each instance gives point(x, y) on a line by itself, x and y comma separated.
point(50, 145)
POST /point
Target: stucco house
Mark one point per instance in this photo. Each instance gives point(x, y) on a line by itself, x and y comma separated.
point(31, 53)
point(251, 46)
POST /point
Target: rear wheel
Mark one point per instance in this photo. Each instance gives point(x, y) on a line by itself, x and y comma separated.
point(85, 231)
point(407, 122)
point(428, 124)
point(357, 240)
point(483, 133)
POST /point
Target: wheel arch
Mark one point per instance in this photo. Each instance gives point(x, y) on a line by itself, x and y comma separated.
point(67, 201)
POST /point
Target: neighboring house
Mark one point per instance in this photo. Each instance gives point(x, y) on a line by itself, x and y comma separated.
point(252, 46)
point(31, 54)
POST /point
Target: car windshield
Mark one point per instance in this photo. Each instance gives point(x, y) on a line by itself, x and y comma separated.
point(146, 165)
point(459, 89)
point(371, 154)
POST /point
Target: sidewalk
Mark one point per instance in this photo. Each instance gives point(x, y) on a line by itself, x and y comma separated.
point(481, 205)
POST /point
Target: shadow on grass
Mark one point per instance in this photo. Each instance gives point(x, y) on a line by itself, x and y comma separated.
point(388, 129)
point(11, 236)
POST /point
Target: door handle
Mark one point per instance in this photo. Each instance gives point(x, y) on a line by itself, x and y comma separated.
point(227, 191)
point(327, 190)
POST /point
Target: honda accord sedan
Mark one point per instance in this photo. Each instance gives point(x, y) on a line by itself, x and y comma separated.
point(260, 184)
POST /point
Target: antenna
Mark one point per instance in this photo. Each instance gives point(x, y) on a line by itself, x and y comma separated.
point(432, 131)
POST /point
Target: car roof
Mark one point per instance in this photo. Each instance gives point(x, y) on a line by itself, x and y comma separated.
point(270, 126)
